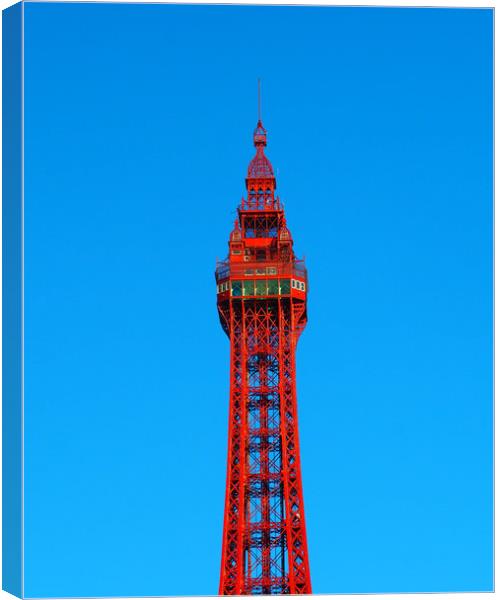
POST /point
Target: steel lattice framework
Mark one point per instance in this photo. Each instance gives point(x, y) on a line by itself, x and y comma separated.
point(261, 298)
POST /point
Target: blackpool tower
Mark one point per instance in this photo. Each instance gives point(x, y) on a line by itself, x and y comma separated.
point(262, 298)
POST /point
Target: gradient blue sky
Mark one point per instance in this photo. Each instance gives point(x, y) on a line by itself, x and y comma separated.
point(138, 134)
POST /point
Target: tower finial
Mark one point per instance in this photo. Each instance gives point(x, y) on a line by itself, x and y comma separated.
point(258, 96)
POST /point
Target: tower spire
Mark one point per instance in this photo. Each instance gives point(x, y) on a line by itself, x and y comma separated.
point(260, 167)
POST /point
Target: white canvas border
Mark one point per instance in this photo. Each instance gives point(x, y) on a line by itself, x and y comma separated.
point(401, 3)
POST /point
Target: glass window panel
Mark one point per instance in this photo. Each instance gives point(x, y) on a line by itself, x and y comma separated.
point(248, 287)
point(260, 287)
point(284, 286)
point(272, 286)
point(236, 288)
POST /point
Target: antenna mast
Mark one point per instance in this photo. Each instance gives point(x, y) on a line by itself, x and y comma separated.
point(258, 96)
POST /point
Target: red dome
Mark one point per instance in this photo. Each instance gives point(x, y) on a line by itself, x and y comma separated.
point(260, 166)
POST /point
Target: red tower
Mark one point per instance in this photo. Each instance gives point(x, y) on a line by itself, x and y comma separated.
point(261, 298)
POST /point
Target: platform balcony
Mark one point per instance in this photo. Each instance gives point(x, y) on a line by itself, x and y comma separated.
point(260, 269)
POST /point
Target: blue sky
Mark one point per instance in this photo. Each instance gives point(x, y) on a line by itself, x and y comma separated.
point(138, 134)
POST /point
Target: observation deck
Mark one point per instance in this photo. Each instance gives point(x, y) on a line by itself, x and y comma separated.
point(261, 280)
